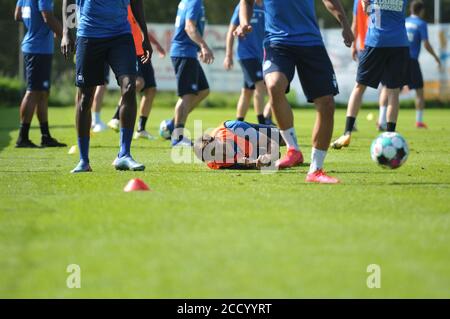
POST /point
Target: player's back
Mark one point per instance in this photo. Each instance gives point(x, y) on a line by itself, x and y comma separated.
point(39, 37)
point(387, 24)
point(102, 19)
point(417, 31)
point(292, 22)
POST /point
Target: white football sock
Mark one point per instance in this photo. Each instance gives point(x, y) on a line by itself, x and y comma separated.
point(290, 138)
point(317, 159)
point(96, 118)
point(419, 116)
point(382, 117)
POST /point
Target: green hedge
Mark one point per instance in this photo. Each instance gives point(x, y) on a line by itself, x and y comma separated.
point(11, 90)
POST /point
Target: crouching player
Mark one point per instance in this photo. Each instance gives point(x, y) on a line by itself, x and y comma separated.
point(239, 145)
point(385, 60)
point(293, 41)
point(104, 36)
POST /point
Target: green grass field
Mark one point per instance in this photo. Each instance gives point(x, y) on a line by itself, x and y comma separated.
point(203, 233)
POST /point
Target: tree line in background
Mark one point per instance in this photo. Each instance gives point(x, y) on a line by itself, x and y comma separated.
point(218, 12)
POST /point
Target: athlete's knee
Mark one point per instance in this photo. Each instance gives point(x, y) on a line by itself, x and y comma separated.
point(325, 105)
point(128, 86)
point(203, 94)
point(275, 86)
point(86, 97)
point(150, 92)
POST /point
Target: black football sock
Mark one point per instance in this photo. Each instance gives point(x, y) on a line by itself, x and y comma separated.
point(24, 132)
point(45, 130)
point(261, 119)
point(241, 119)
point(349, 124)
point(142, 122)
point(117, 114)
point(390, 126)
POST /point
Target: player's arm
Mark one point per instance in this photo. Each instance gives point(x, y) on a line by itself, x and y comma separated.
point(430, 50)
point(228, 62)
point(354, 29)
point(245, 16)
point(137, 7)
point(18, 13)
point(159, 48)
point(206, 55)
point(53, 23)
point(337, 10)
point(67, 43)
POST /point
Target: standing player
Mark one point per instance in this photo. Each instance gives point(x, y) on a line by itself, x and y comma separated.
point(417, 33)
point(37, 48)
point(187, 46)
point(293, 40)
point(250, 54)
point(385, 59)
point(104, 36)
point(360, 25)
point(145, 81)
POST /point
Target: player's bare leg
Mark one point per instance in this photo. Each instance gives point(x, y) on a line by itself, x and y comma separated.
point(381, 123)
point(276, 85)
point(97, 124)
point(354, 105)
point(258, 101)
point(420, 107)
point(27, 107)
point(185, 105)
point(145, 108)
point(243, 104)
point(393, 109)
point(321, 137)
point(42, 114)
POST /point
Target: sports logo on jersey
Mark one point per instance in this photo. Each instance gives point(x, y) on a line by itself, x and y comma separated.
point(267, 64)
point(259, 74)
point(46, 84)
point(194, 87)
point(26, 12)
point(80, 78)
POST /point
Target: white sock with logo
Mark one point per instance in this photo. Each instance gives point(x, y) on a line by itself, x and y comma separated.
point(419, 116)
point(382, 117)
point(290, 137)
point(317, 159)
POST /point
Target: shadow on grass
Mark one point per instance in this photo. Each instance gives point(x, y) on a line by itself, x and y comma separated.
point(8, 123)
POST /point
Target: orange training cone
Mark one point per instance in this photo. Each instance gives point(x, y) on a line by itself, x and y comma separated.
point(136, 184)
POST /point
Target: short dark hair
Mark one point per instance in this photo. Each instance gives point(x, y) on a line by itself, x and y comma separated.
point(417, 6)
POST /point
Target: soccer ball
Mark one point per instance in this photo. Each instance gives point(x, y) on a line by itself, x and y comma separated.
point(165, 129)
point(389, 150)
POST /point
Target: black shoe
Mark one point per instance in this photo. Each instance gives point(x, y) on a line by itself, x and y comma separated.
point(48, 141)
point(25, 144)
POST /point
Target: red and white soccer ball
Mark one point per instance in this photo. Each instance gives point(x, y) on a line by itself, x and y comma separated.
point(389, 150)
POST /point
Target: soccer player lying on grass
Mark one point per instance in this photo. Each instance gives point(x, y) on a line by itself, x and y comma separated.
point(37, 49)
point(104, 36)
point(385, 60)
point(145, 82)
point(293, 41)
point(417, 30)
point(250, 53)
point(239, 145)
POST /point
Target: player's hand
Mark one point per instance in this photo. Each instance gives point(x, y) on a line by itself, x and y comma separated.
point(228, 63)
point(348, 36)
point(67, 45)
point(354, 53)
point(161, 51)
point(263, 161)
point(242, 30)
point(206, 55)
point(148, 51)
point(365, 5)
